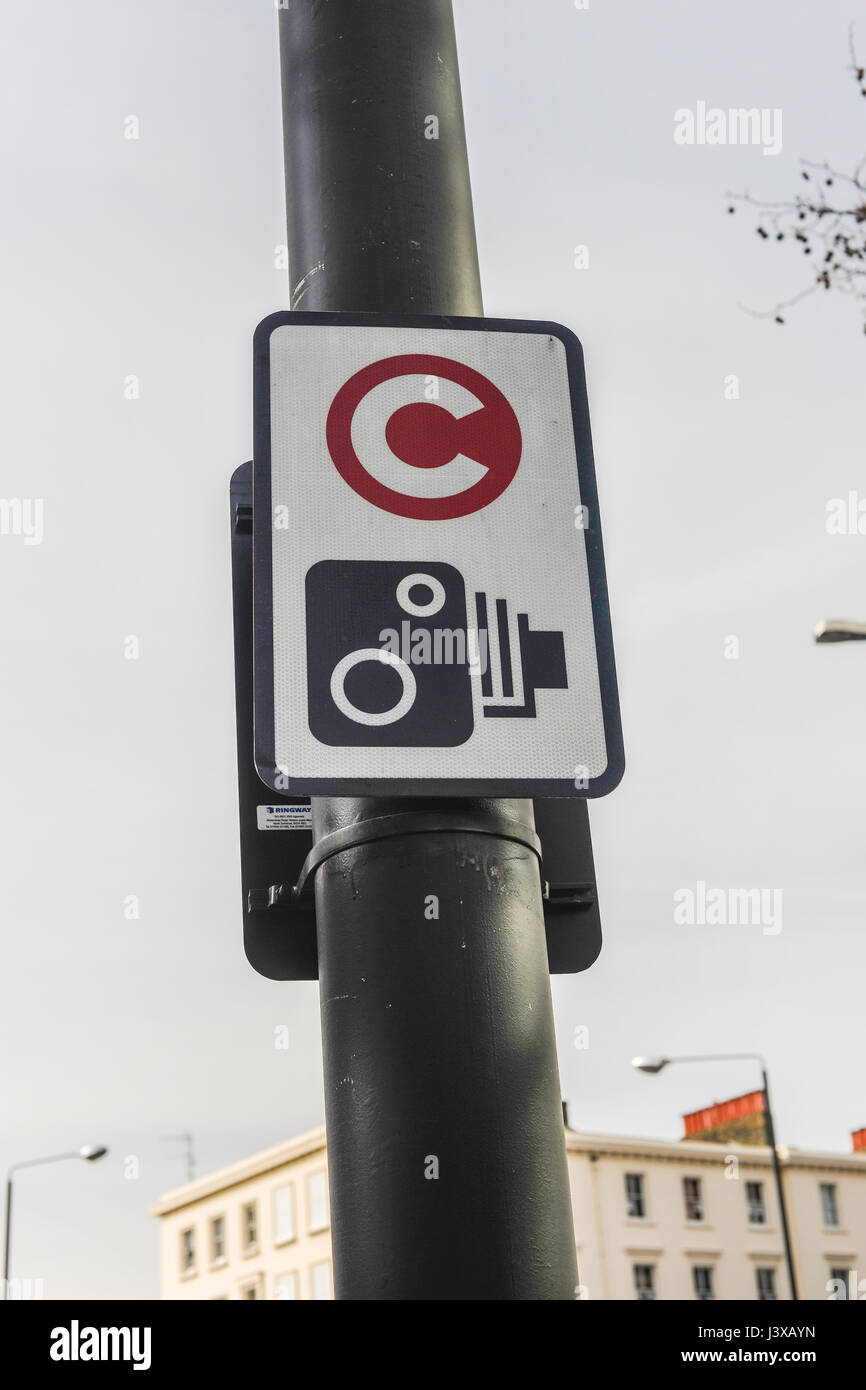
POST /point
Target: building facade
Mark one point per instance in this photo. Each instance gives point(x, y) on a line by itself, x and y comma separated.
point(259, 1229)
point(653, 1219)
point(700, 1220)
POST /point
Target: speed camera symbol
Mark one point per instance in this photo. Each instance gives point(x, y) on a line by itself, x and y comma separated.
point(425, 435)
point(360, 694)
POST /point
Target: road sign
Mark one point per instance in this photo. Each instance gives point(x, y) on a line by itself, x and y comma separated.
point(431, 612)
point(277, 836)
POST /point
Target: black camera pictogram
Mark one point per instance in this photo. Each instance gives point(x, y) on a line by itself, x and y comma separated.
point(360, 693)
point(391, 659)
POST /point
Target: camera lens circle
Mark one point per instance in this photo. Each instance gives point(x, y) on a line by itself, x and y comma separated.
point(420, 610)
point(362, 716)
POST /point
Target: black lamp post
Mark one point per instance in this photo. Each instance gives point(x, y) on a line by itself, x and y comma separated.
point(89, 1152)
point(653, 1065)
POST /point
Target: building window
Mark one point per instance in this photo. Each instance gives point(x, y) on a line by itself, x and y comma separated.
point(644, 1282)
point(317, 1202)
point(286, 1285)
point(635, 1202)
point(320, 1278)
point(702, 1279)
point(284, 1214)
point(766, 1285)
point(755, 1204)
point(838, 1287)
point(694, 1200)
point(250, 1293)
point(217, 1239)
point(249, 1226)
point(187, 1251)
point(829, 1204)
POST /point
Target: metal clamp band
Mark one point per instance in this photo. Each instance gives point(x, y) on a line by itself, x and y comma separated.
point(410, 823)
point(557, 895)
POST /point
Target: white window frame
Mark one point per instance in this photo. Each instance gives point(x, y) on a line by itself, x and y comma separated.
point(296, 1286)
point(211, 1240)
point(325, 1265)
point(249, 1246)
point(314, 1226)
point(830, 1206)
point(770, 1294)
point(645, 1290)
point(288, 1187)
point(697, 1200)
point(636, 1197)
point(756, 1204)
point(707, 1293)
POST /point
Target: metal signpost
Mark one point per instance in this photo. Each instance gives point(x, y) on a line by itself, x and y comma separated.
point(422, 643)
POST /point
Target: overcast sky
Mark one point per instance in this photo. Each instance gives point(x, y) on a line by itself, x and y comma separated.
point(155, 258)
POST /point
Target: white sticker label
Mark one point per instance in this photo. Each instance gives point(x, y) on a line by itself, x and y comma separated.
point(284, 817)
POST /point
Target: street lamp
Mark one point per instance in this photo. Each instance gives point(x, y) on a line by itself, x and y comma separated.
point(839, 630)
point(89, 1152)
point(653, 1065)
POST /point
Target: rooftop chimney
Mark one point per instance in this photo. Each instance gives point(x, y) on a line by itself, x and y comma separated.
point(858, 1140)
point(740, 1119)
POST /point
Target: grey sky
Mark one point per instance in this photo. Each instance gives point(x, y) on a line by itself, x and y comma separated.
point(155, 257)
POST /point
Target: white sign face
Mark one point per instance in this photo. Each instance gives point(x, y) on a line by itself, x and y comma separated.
point(430, 605)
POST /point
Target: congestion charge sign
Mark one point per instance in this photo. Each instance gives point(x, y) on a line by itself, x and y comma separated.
point(430, 605)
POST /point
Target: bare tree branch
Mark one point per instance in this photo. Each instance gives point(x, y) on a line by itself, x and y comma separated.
point(832, 234)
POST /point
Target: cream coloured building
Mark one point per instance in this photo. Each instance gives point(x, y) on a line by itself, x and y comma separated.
point(258, 1229)
point(697, 1219)
point(653, 1219)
